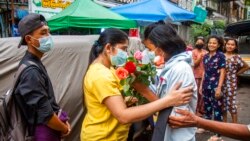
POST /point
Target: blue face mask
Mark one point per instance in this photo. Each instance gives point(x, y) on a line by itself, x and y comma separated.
point(119, 59)
point(46, 44)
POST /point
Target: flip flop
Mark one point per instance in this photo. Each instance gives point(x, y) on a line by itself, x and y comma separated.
point(215, 138)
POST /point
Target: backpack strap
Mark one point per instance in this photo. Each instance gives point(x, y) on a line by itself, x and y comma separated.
point(29, 65)
point(17, 75)
point(21, 69)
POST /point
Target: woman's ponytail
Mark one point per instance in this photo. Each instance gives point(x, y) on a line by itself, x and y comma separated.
point(96, 49)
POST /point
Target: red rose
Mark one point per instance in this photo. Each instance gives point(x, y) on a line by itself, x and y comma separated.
point(121, 73)
point(130, 67)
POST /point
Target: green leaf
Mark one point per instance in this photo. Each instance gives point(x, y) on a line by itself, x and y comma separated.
point(133, 79)
point(126, 87)
point(123, 81)
point(144, 66)
point(129, 93)
point(153, 68)
point(131, 59)
point(138, 68)
point(128, 81)
point(132, 52)
point(152, 80)
point(143, 72)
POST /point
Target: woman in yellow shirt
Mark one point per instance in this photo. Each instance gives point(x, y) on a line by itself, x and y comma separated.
point(108, 118)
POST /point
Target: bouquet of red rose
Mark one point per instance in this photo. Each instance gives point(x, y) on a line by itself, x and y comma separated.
point(135, 70)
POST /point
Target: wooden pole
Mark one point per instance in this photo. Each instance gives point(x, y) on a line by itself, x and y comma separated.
point(7, 20)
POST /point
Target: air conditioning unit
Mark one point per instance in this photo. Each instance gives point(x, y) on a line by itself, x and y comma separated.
point(212, 4)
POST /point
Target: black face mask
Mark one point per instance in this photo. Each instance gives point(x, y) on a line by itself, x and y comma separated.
point(199, 46)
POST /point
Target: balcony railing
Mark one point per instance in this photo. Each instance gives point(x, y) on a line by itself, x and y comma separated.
point(15, 2)
point(186, 4)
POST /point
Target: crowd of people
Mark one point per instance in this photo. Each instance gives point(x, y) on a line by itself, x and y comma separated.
point(198, 88)
point(216, 68)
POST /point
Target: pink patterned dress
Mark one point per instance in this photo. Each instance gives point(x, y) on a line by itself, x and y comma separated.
point(233, 64)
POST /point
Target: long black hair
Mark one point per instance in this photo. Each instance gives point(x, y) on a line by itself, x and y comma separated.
point(200, 38)
point(165, 37)
point(150, 27)
point(219, 40)
point(112, 36)
point(236, 50)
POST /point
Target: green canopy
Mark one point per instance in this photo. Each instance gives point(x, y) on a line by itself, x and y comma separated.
point(87, 14)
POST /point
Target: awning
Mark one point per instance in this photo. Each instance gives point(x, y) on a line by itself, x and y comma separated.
point(87, 14)
point(238, 28)
point(154, 10)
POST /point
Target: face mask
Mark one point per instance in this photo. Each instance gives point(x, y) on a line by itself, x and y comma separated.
point(151, 55)
point(120, 58)
point(46, 44)
point(199, 46)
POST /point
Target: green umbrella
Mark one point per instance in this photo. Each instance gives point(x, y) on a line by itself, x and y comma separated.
point(87, 14)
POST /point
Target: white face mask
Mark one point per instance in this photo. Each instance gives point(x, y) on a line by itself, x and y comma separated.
point(46, 44)
point(151, 55)
point(148, 56)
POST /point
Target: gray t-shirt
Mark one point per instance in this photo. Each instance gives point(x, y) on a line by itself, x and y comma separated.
point(181, 72)
point(177, 69)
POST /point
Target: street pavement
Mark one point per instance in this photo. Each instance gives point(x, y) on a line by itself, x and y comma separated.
point(243, 103)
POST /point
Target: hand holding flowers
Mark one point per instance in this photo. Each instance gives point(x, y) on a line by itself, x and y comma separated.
point(135, 71)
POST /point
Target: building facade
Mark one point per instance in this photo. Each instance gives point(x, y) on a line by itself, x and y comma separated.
point(228, 10)
point(11, 11)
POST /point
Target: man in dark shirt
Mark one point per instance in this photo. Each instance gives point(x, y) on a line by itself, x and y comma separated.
point(34, 92)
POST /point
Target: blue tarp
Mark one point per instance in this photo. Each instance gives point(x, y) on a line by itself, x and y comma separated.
point(154, 10)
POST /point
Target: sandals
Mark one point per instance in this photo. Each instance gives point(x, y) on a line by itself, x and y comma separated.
point(215, 138)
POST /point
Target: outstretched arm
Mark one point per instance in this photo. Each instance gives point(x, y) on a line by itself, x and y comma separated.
point(236, 131)
point(127, 115)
